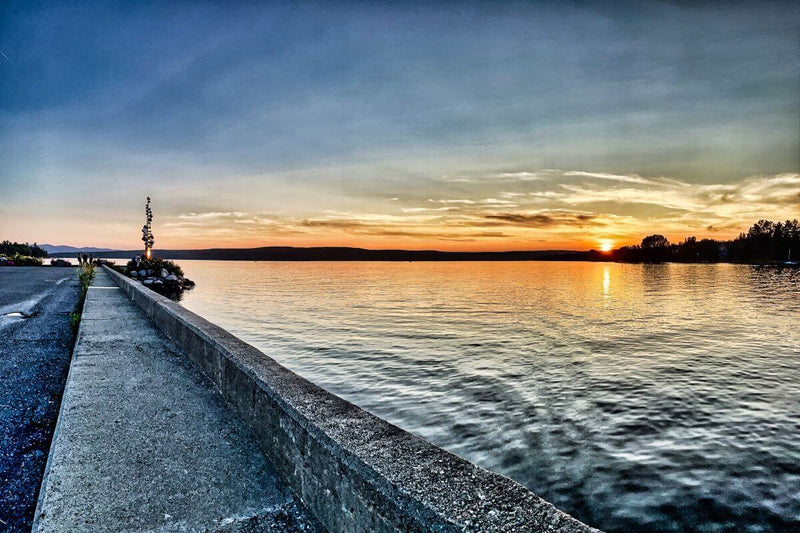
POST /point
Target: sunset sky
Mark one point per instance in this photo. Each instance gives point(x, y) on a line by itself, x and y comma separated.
point(471, 126)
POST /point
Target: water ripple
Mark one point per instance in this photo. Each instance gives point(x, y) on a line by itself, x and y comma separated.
point(636, 397)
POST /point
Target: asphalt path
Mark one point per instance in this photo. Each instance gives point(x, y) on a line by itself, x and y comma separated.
point(35, 345)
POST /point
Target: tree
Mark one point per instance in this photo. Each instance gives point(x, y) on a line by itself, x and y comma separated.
point(654, 241)
point(764, 242)
point(761, 229)
point(8, 248)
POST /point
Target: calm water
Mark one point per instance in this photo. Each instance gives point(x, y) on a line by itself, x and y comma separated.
point(635, 397)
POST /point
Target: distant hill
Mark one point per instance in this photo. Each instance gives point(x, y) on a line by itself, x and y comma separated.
point(62, 249)
point(290, 253)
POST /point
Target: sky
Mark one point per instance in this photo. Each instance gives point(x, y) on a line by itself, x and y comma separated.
point(451, 126)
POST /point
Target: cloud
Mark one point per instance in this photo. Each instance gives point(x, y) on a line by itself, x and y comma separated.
point(665, 198)
point(548, 195)
point(210, 214)
point(377, 228)
point(628, 178)
point(521, 176)
point(498, 176)
point(567, 206)
point(547, 219)
point(229, 224)
point(422, 209)
point(495, 201)
point(446, 201)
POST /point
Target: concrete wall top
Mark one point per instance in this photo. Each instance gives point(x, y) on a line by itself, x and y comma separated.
point(353, 470)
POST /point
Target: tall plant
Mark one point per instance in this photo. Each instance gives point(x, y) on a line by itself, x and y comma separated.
point(147, 231)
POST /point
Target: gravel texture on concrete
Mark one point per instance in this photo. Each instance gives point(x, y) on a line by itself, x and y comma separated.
point(145, 443)
point(35, 344)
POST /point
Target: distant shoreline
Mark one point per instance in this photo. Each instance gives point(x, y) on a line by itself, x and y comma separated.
point(280, 253)
point(289, 253)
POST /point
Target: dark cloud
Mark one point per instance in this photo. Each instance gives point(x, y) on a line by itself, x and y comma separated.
point(399, 229)
point(252, 87)
point(546, 220)
point(337, 224)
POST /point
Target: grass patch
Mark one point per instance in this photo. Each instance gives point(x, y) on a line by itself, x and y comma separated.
point(85, 277)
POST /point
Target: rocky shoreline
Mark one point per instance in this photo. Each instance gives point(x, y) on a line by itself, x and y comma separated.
point(162, 276)
point(163, 279)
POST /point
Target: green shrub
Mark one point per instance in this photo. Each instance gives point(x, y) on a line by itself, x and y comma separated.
point(75, 321)
point(25, 260)
point(155, 264)
point(85, 277)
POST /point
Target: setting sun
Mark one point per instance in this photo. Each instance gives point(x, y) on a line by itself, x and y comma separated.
point(606, 246)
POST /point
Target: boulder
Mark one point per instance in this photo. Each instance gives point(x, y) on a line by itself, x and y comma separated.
point(143, 273)
point(171, 277)
point(158, 282)
point(148, 281)
point(164, 273)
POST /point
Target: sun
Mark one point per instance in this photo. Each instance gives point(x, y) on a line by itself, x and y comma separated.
point(606, 246)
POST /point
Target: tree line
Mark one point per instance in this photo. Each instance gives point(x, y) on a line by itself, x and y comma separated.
point(764, 242)
point(8, 248)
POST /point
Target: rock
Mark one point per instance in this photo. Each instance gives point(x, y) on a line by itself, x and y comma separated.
point(133, 274)
point(158, 282)
point(148, 281)
point(143, 273)
point(164, 273)
point(150, 272)
point(171, 277)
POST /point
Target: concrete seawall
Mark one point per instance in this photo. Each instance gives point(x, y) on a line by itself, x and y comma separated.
point(352, 470)
point(144, 441)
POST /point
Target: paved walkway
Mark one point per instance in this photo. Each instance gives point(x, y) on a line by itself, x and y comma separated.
point(144, 443)
point(35, 341)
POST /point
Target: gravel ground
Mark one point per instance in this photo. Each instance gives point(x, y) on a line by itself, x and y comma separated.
point(35, 345)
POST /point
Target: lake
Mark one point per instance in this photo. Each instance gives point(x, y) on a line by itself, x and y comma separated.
point(635, 397)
